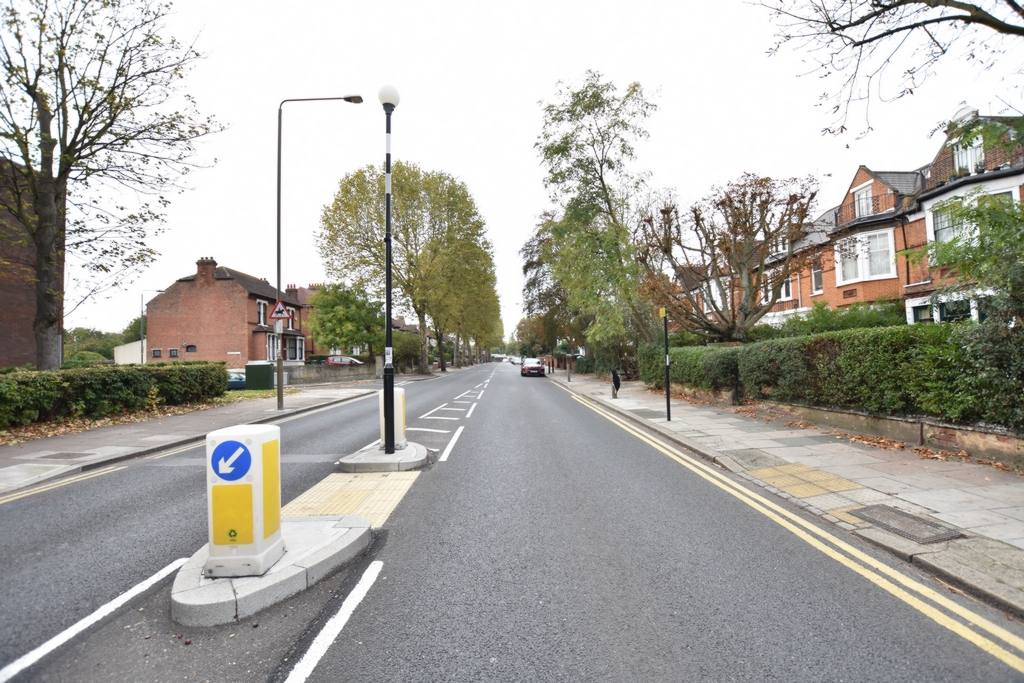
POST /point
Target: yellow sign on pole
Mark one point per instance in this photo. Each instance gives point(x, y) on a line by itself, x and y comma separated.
point(661, 312)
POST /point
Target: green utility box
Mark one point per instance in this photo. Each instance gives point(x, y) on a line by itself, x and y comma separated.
point(259, 376)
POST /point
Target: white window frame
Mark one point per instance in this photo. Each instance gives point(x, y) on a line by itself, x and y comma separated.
point(716, 296)
point(999, 186)
point(863, 257)
point(968, 158)
point(261, 312)
point(821, 279)
point(300, 347)
point(862, 204)
point(273, 346)
point(768, 284)
point(291, 318)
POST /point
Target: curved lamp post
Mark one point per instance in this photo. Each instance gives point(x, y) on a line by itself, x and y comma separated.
point(353, 99)
point(389, 98)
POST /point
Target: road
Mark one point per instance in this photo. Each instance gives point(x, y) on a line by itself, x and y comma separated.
point(553, 543)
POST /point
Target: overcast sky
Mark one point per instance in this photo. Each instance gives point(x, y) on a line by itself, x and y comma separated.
point(471, 77)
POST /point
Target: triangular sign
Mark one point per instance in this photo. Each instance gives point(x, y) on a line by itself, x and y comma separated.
point(280, 312)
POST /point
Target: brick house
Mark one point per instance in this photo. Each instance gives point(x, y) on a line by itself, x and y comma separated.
point(885, 213)
point(220, 314)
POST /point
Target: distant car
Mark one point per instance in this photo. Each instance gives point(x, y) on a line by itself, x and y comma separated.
point(343, 360)
point(236, 379)
point(515, 361)
point(532, 366)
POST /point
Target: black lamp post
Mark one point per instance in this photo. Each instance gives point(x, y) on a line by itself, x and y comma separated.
point(389, 98)
point(354, 99)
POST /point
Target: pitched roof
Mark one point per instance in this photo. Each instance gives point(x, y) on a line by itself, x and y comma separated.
point(904, 182)
point(249, 283)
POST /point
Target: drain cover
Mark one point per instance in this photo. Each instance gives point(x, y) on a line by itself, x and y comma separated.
point(906, 525)
point(647, 413)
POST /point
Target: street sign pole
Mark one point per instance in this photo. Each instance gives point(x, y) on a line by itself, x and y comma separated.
point(668, 381)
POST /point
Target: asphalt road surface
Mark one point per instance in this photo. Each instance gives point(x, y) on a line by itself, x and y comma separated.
point(553, 543)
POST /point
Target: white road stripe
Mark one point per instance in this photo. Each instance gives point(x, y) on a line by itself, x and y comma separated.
point(463, 394)
point(463, 401)
point(442, 418)
point(424, 429)
point(25, 661)
point(461, 410)
point(451, 444)
point(370, 445)
point(332, 628)
point(434, 410)
point(481, 395)
point(470, 413)
point(478, 385)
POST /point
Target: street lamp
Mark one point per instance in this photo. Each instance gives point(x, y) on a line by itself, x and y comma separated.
point(142, 323)
point(388, 96)
point(278, 327)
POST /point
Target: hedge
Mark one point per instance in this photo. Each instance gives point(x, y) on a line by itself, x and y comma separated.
point(702, 367)
point(29, 396)
point(958, 372)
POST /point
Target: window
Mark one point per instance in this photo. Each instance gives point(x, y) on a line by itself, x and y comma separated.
point(816, 279)
point(273, 346)
point(868, 256)
point(945, 228)
point(190, 348)
point(923, 314)
point(712, 294)
point(862, 201)
point(291, 318)
point(261, 312)
point(157, 353)
point(294, 348)
point(968, 158)
point(173, 353)
point(955, 310)
point(785, 287)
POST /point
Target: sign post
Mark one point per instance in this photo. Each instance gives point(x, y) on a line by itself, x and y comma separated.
point(279, 315)
point(668, 381)
point(399, 419)
point(243, 468)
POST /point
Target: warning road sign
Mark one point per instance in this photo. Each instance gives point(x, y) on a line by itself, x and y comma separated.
point(280, 312)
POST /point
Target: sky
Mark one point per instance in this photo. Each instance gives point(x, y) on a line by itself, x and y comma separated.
point(472, 78)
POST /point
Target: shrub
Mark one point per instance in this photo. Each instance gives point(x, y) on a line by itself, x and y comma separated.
point(94, 392)
point(701, 367)
point(584, 364)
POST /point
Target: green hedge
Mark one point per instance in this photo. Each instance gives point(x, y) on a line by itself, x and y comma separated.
point(584, 364)
point(94, 392)
point(702, 367)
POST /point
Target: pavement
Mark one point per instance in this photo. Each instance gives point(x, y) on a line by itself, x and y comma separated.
point(835, 479)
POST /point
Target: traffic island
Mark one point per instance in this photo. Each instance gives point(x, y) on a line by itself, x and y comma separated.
point(316, 547)
point(374, 459)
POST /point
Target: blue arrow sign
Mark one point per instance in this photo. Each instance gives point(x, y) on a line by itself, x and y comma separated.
point(231, 460)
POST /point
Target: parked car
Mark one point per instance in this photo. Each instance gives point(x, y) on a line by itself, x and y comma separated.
point(532, 366)
point(236, 379)
point(343, 360)
point(515, 360)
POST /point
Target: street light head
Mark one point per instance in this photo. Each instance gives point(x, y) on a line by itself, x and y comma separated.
point(389, 97)
point(354, 99)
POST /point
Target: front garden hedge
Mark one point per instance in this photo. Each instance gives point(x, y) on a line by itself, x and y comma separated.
point(31, 396)
point(710, 368)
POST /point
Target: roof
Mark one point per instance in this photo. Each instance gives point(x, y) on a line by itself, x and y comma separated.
point(249, 283)
point(904, 182)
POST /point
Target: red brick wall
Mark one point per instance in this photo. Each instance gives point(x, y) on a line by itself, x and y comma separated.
point(17, 338)
point(214, 315)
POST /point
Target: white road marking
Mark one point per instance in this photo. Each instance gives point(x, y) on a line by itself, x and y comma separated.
point(424, 429)
point(451, 444)
point(442, 418)
point(478, 385)
point(470, 413)
point(463, 401)
point(481, 395)
point(25, 661)
point(461, 410)
point(332, 629)
point(463, 394)
point(370, 445)
point(434, 410)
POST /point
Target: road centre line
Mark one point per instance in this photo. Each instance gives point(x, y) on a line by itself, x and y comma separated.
point(470, 413)
point(424, 429)
point(776, 514)
point(64, 482)
point(434, 410)
point(27, 660)
point(451, 444)
point(332, 629)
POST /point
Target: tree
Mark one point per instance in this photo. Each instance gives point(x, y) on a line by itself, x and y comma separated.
point(429, 209)
point(861, 41)
point(87, 340)
point(586, 145)
point(720, 267)
point(132, 331)
point(343, 317)
point(84, 122)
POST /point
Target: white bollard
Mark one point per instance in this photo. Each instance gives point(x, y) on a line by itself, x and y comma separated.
point(243, 493)
point(400, 440)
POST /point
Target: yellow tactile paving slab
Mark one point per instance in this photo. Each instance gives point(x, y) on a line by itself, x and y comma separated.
point(373, 495)
point(843, 514)
point(802, 481)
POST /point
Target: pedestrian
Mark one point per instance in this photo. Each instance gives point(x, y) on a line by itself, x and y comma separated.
point(615, 384)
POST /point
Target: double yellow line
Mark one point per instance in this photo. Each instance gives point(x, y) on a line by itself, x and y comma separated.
point(63, 482)
point(885, 577)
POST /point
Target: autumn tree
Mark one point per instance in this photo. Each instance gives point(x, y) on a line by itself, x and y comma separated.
point(722, 264)
point(92, 116)
point(887, 48)
point(586, 147)
point(343, 317)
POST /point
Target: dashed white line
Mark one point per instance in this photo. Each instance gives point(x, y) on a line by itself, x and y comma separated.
point(481, 395)
point(462, 401)
point(438, 417)
point(25, 661)
point(451, 444)
point(471, 409)
point(434, 410)
point(424, 429)
point(461, 410)
point(332, 628)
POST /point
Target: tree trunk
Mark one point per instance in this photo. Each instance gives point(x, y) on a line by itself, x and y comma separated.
point(423, 369)
point(48, 239)
point(457, 350)
point(440, 350)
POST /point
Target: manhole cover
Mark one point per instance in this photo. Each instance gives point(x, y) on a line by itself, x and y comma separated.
point(647, 413)
point(65, 456)
point(906, 525)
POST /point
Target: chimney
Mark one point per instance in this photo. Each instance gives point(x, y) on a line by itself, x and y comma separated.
point(204, 269)
point(292, 291)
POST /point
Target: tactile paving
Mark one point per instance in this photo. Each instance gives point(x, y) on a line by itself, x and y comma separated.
point(372, 495)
